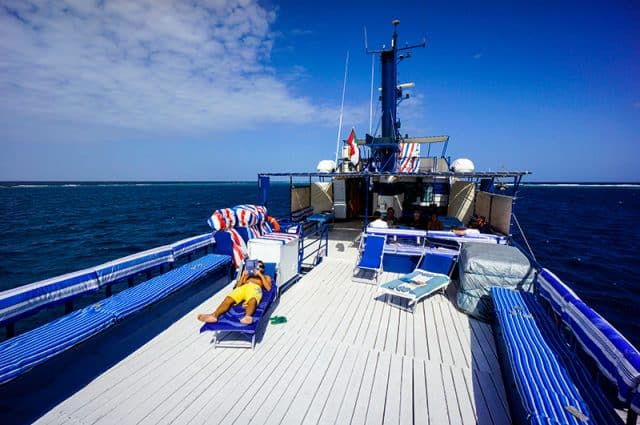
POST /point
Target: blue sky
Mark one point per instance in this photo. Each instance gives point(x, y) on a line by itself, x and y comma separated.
point(219, 90)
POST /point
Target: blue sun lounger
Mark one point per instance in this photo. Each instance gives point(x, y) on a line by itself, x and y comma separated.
point(369, 263)
point(228, 326)
point(431, 275)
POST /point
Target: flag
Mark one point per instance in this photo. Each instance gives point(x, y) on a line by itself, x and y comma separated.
point(354, 152)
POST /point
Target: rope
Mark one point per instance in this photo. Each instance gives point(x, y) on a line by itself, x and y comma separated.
point(524, 237)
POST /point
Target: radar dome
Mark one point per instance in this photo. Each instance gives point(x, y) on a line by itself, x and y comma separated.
point(326, 166)
point(463, 165)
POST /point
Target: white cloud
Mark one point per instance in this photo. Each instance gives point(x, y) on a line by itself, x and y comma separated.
point(147, 65)
point(477, 56)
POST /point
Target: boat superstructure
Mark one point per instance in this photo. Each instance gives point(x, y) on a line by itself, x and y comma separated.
point(506, 342)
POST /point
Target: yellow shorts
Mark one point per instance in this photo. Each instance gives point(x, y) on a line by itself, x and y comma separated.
point(245, 292)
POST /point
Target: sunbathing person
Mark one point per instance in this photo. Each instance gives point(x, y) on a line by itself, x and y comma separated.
point(247, 290)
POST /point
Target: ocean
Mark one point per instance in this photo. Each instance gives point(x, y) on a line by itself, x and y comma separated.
point(585, 234)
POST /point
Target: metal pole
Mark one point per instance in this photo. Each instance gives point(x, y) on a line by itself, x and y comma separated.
point(344, 88)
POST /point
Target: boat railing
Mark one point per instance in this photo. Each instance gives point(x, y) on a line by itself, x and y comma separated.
point(313, 245)
point(598, 344)
point(26, 300)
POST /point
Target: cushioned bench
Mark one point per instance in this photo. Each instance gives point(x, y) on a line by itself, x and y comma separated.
point(25, 351)
point(551, 384)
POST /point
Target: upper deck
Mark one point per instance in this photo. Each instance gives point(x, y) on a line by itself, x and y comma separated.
point(342, 357)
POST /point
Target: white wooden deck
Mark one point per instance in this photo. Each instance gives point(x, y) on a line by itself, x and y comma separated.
point(342, 357)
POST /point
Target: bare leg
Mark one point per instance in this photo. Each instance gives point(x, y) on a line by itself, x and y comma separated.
point(252, 304)
point(222, 308)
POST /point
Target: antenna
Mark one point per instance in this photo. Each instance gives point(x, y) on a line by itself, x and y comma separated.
point(366, 41)
point(344, 88)
point(371, 99)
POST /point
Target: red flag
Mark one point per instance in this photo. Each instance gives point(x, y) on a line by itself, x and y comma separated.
point(354, 152)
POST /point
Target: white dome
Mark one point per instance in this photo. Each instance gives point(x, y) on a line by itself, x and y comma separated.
point(463, 165)
point(326, 166)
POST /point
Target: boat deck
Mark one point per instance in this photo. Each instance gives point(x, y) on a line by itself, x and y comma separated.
point(342, 357)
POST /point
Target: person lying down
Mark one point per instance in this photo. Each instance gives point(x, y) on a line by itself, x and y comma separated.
point(248, 290)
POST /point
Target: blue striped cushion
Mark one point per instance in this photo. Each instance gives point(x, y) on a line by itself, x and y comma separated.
point(555, 291)
point(635, 401)
point(23, 352)
point(550, 380)
point(27, 299)
point(186, 246)
point(125, 267)
point(133, 299)
point(616, 358)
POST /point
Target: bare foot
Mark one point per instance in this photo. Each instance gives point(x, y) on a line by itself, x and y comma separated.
point(247, 320)
point(207, 318)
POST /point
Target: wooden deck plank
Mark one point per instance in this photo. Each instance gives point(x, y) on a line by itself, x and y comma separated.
point(420, 343)
point(433, 341)
point(378, 395)
point(311, 389)
point(248, 408)
point(407, 392)
point(393, 404)
point(281, 405)
point(358, 413)
point(358, 333)
point(465, 402)
point(420, 401)
point(453, 406)
point(453, 343)
point(437, 400)
point(347, 406)
point(402, 345)
point(201, 390)
point(325, 406)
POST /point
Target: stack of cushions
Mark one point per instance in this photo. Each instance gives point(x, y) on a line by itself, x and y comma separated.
point(241, 223)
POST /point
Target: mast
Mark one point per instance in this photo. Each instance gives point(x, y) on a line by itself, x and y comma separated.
point(385, 147)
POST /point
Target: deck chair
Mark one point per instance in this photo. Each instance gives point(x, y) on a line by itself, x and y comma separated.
point(431, 275)
point(369, 262)
point(228, 327)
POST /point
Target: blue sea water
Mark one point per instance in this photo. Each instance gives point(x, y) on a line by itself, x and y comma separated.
point(587, 235)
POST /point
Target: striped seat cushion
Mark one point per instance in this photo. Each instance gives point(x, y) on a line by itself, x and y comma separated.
point(551, 382)
point(23, 352)
point(284, 238)
point(616, 358)
point(133, 299)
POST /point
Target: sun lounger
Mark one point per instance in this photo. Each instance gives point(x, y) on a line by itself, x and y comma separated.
point(431, 275)
point(370, 261)
point(228, 327)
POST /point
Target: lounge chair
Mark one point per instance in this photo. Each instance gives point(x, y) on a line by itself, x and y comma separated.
point(369, 263)
point(431, 275)
point(228, 326)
